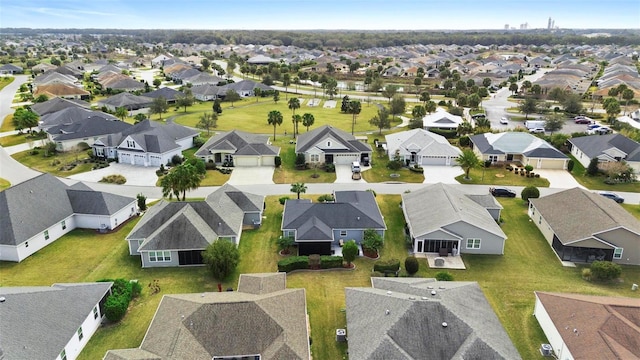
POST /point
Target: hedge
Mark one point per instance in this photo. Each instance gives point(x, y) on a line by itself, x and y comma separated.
point(117, 303)
point(293, 263)
point(386, 265)
point(448, 134)
point(328, 262)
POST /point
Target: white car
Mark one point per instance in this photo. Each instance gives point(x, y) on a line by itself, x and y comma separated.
point(504, 121)
point(537, 131)
point(601, 130)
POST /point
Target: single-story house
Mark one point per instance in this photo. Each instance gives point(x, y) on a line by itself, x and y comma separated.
point(589, 327)
point(11, 69)
point(421, 147)
point(461, 223)
point(329, 145)
point(263, 319)
point(582, 226)
point(261, 60)
point(57, 104)
point(133, 103)
point(441, 119)
point(518, 147)
point(52, 210)
point(70, 115)
point(42, 67)
point(50, 322)
point(317, 227)
point(146, 143)
point(121, 82)
point(160, 60)
point(207, 92)
point(176, 233)
point(240, 149)
point(69, 136)
point(415, 319)
point(607, 148)
point(53, 77)
point(245, 88)
point(203, 78)
point(63, 90)
point(169, 94)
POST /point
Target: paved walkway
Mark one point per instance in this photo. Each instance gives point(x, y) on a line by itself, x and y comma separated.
point(441, 174)
point(251, 175)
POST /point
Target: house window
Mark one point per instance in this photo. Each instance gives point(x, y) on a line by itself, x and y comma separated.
point(64, 225)
point(159, 256)
point(343, 232)
point(315, 157)
point(46, 234)
point(328, 143)
point(95, 312)
point(80, 335)
point(473, 243)
point(63, 355)
point(493, 158)
point(617, 253)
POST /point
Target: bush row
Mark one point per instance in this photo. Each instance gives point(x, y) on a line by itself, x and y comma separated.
point(122, 292)
point(386, 265)
point(302, 262)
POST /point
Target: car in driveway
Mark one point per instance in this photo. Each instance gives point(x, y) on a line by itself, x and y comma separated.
point(537, 131)
point(502, 192)
point(601, 130)
point(582, 120)
point(504, 121)
point(613, 196)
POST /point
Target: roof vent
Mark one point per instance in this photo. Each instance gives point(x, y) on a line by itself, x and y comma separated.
point(429, 287)
point(424, 298)
point(433, 292)
point(412, 298)
point(2, 299)
point(444, 324)
point(389, 293)
point(387, 312)
point(442, 288)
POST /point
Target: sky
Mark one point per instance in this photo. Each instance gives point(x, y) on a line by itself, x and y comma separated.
point(319, 14)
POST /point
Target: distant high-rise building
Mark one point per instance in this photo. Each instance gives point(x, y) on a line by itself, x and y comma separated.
point(524, 26)
point(550, 24)
point(506, 26)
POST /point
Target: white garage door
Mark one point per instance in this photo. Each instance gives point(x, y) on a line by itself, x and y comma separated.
point(552, 164)
point(268, 161)
point(344, 159)
point(434, 160)
point(138, 159)
point(246, 161)
point(154, 160)
point(125, 158)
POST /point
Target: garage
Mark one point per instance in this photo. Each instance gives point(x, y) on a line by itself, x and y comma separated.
point(558, 164)
point(246, 161)
point(345, 159)
point(154, 160)
point(268, 161)
point(138, 159)
point(125, 158)
point(434, 160)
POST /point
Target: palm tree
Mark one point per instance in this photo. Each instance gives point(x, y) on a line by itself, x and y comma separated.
point(274, 119)
point(121, 113)
point(468, 160)
point(295, 119)
point(298, 188)
point(308, 120)
point(181, 179)
point(354, 108)
point(294, 103)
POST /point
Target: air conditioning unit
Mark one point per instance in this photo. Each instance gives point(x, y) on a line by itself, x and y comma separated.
point(546, 350)
point(341, 335)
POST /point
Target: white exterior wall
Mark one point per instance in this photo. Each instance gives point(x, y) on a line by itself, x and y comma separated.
point(553, 336)
point(186, 143)
point(541, 223)
point(89, 327)
point(37, 242)
point(96, 221)
point(580, 156)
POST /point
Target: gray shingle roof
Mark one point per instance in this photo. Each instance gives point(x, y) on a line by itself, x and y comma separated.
point(447, 206)
point(401, 319)
point(126, 99)
point(593, 146)
point(422, 142)
point(576, 214)
point(272, 324)
point(38, 322)
point(351, 210)
point(515, 143)
point(165, 92)
point(57, 104)
point(97, 203)
point(85, 128)
point(72, 115)
point(309, 139)
point(155, 137)
point(241, 142)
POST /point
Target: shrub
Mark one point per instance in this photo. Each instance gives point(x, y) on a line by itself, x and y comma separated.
point(283, 199)
point(394, 165)
point(114, 179)
point(325, 198)
point(115, 307)
point(372, 240)
point(142, 202)
point(293, 263)
point(592, 169)
point(350, 251)
point(487, 163)
point(570, 165)
point(586, 274)
point(198, 141)
point(605, 270)
point(300, 160)
point(444, 276)
point(210, 165)
point(411, 264)
point(82, 146)
point(329, 262)
point(448, 134)
point(417, 169)
point(285, 243)
point(377, 274)
point(277, 161)
point(530, 192)
point(136, 288)
point(386, 265)
point(176, 160)
point(329, 168)
point(464, 141)
point(528, 168)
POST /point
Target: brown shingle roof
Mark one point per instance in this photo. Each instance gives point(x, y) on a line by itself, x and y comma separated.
point(595, 327)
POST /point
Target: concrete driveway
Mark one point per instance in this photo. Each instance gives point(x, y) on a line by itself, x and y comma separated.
point(443, 174)
point(135, 175)
point(560, 179)
point(343, 174)
point(251, 175)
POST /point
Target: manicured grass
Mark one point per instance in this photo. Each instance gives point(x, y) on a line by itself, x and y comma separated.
point(5, 80)
point(251, 116)
point(48, 164)
point(380, 173)
point(597, 182)
point(4, 183)
point(17, 139)
point(7, 124)
point(500, 176)
point(287, 172)
point(507, 281)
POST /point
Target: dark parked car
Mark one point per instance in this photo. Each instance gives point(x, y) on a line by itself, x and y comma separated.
point(502, 192)
point(582, 120)
point(612, 196)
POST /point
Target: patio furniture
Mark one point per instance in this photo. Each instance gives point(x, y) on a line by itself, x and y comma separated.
point(443, 252)
point(438, 262)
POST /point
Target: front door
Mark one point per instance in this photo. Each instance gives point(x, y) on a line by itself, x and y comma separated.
point(328, 158)
point(419, 246)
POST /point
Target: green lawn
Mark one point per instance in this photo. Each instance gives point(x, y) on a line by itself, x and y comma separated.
point(52, 164)
point(597, 182)
point(5, 80)
point(508, 281)
point(7, 124)
point(380, 173)
point(500, 176)
point(17, 139)
point(4, 183)
point(251, 116)
point(287, 172)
